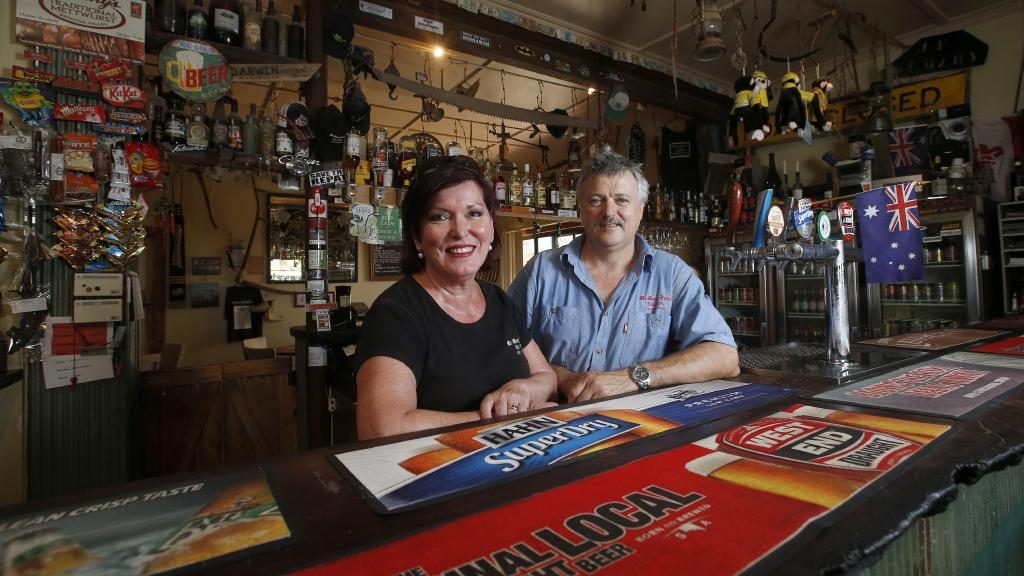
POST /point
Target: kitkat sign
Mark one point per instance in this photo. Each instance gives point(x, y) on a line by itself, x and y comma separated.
point(124, 95)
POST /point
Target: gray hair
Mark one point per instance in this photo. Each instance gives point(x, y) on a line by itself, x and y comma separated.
point(606, 162)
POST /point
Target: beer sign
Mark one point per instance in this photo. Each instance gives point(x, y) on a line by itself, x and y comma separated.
point(195, 70)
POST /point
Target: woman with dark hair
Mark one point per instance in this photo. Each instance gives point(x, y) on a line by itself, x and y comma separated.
point(440, 347)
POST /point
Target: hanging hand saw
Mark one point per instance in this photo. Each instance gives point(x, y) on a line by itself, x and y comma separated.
point(483, 106)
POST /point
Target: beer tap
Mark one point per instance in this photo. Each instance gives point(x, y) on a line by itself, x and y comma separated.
point(777, 251)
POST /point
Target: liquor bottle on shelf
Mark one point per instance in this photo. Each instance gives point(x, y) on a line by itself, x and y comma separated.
point(703, 211)
point(251, 32)
point(716, 213)
point(268, 136)
point(798, 189)
point(771, 176)
point(282, 37)
point(219, 130)
point(174, 124)
point(296, 35)
point(407, 161)
point(283, 143)
point(554, 194)
point(500, 187)
point(235, 131)
point(379, 156)
point(453, 149)
point(575, 159)
point(569, 194)
point(541, 191)
point(270, 30)
point(673, 205)
point(353, 155)
point(173, 16)
point(251, 135)
point(515, 188)
point(156, 108)
point(197, 132)
point(528, 199)
point(198, 23)
point(227, 21)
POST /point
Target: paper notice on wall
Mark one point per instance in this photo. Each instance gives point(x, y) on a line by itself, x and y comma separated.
point(59, 371)
point(65, 338)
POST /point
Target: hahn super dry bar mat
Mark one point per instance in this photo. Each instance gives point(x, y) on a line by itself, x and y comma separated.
point(415, 472)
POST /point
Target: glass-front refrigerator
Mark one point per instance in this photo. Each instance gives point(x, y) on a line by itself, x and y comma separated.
point(742, 296)
point(801, 299)
point(952, 292)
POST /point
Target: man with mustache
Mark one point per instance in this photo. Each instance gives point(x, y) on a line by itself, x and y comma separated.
point(612, 314)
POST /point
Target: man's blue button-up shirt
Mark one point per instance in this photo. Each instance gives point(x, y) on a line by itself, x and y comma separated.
point(659, 308)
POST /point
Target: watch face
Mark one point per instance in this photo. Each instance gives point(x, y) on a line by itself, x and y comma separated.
point(641, 374)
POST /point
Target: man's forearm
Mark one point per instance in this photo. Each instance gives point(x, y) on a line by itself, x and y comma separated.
point(698, 363)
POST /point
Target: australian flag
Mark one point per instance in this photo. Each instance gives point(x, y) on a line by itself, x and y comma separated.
point(907, 149)
point(890, 233)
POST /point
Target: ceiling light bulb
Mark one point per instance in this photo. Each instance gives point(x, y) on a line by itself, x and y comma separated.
point(591, 90)
point(438, 51)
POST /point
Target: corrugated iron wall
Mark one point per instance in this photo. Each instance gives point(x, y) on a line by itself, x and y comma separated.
point(87, 435)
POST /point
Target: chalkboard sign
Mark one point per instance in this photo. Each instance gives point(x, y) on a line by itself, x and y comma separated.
point(385, 261)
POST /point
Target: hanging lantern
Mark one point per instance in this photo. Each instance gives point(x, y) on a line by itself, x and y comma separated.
point(879, 102)
point(708, 25)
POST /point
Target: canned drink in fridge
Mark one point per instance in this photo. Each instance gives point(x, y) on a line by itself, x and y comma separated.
point(953, 292)
point(926, 292)
point(940, 291)
point(915, 292)
point(903, 293)
point(890, 291)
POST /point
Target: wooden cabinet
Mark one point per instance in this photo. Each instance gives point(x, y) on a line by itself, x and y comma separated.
point(222, 415)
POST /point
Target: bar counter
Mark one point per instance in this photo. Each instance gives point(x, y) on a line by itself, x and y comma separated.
point(329, 519)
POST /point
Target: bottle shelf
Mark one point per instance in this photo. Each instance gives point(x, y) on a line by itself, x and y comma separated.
point(746, 334)
point(807, 315)
point(948, 303)
point(808, 277)
point(736, 274)
point(744, 304)
point(945, 264)
point(156, 39)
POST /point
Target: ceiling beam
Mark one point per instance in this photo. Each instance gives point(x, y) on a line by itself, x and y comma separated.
point(491, 38)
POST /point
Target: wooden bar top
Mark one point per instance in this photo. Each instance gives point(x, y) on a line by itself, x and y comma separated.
point(330, 519)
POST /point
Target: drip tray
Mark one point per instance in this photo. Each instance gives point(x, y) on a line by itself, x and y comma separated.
point(811, 361)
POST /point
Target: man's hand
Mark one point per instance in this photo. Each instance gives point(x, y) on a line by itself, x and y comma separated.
point(584, 386)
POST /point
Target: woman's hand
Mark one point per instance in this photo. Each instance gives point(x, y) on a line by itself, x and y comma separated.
point(513, 397)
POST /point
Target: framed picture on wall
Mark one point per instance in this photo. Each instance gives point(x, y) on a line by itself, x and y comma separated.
point(206, 266)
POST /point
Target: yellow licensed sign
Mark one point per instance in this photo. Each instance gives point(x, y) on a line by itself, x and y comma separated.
point(911, 100)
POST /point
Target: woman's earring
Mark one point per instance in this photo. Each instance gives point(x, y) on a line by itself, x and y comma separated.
point(419, 255)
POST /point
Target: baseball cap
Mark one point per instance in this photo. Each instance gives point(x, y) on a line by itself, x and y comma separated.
point(338, 31)
point(356, 109)
point(330, 127)
point(298, 118)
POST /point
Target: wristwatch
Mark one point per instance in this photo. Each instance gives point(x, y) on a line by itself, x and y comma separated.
point(642, 376)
